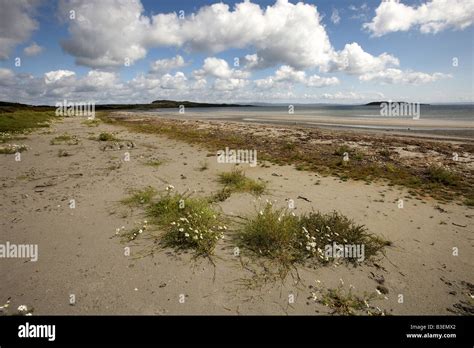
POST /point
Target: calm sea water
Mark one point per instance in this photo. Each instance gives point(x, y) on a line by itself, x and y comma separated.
point(446, 112)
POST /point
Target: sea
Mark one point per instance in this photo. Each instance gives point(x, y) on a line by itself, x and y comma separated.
point(457, 119)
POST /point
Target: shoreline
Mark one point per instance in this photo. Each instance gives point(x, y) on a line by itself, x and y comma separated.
point(436, 128)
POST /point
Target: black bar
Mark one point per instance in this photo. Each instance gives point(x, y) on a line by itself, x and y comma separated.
point(223, 330)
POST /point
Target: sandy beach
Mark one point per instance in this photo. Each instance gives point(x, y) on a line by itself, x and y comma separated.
point(80, 254)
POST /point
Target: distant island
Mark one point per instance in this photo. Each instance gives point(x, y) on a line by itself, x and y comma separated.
point(378, 103)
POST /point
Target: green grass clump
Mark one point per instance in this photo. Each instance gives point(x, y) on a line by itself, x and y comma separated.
point(469, 202)
point(20, 121)
point(9, 149)
point(105, 136)
point(92, 123)
point(341, 150)
point(154, 163)
point(140, 197)
point(6, 137)
point(272, 233)
point(65, 139)
point(289, 239)
point(221, 195)
point(343, 302)
point(236, 181)
point(188, 223)
point(443, 176)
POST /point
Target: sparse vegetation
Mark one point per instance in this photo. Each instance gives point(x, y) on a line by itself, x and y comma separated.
point(105, 136)
point(187, 222)
point(9, 149)
point(140, 197)
point(326, 159)
point(345, 302)
point(24, 120)
point(92, 123)
point(341, 150)
point(288, 239)
point(65, 139)
point(236, 181)
point(154, 163)
point(469, 202)
point(443, 176)
point(6, 137)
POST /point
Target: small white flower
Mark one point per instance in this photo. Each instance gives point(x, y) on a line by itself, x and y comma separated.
point(181, 229)
point(186, 234)
point(140, 231)
point(22, 308)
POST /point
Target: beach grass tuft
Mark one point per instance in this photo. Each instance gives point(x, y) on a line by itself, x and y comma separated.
point(443, 176)
point(65, 139)
point(10, 149)
point(140, 197)
point(288, 238)
point(186, 222)
point(154, 163)
point(105, 136)
point(345, 302)
point(236, 181)
point(92, 123)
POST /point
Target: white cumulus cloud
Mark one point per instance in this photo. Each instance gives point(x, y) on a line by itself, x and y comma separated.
point(165, 65)
point(55, 76)
point(430, 17)
point(288, 75)
point(354, 60)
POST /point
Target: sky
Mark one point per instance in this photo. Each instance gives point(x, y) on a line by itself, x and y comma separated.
point(318, 51)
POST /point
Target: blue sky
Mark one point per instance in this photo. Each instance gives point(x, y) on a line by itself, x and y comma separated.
point(343, 51)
